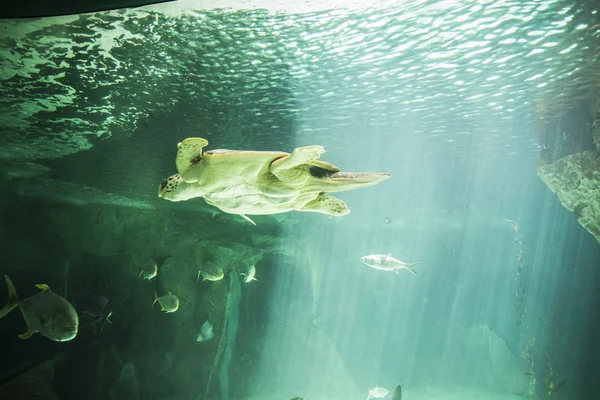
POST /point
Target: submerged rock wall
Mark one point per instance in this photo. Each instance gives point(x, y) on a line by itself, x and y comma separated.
point(576, 181)
point(575, 176)
point(139, 351)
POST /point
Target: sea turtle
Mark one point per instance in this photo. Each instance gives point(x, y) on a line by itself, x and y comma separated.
point(261, 182)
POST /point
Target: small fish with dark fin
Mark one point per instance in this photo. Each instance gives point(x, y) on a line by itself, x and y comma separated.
point(94, 307)
point(386, 262)
point(45, 312)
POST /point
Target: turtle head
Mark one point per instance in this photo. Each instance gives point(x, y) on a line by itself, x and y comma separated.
point(174, 188)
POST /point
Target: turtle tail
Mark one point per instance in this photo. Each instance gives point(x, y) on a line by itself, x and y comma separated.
point(344, 181)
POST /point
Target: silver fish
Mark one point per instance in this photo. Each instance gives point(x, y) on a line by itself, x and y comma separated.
point(149, 271)
point(211, 273)
point(45, 312)
point(386, 262)
point(249, 276)
point(168, 303)
point(377, 393)
point(206, 332)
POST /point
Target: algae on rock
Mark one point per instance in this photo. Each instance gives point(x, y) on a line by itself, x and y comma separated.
point(576, 181)
point(575, 176)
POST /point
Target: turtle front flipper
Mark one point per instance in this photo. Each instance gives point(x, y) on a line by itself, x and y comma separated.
point(299, 156)
point(189, 154)
point(327, 205)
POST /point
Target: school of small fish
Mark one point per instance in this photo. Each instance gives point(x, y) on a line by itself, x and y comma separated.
point(55, 318)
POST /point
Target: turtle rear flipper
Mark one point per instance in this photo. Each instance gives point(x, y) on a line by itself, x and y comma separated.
point(189, 154)
point(327, 205)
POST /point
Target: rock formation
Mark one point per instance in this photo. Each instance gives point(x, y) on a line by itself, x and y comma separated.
point(570, 159)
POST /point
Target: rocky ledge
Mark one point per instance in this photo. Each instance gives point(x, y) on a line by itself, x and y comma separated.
point(575, 178)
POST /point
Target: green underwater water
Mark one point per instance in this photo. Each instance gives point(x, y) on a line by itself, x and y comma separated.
point(453, 99)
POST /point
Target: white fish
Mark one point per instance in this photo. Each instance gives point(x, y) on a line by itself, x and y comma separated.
point(386, 262)
point(206, 332)
point(377, 393)
point(249, 276)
